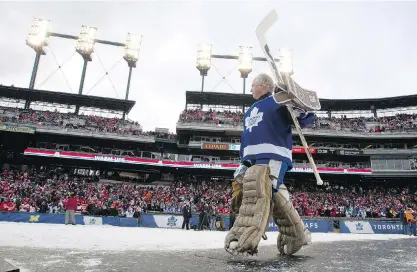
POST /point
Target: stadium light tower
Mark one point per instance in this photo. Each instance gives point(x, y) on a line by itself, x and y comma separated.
point(85, 47)
point(132, 48)
point(37, 39)
point(285, 63)
point(245, 63)
point(203, 61)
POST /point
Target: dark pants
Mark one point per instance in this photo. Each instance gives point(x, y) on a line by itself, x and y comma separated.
point(186, 222)
point(232, 220)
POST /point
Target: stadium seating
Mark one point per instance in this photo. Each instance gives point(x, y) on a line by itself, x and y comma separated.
point(97, 124)
point(36, 192)
point(68, 121)
point(397, 123)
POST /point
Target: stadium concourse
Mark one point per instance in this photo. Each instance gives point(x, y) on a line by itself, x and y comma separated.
point(53, 154)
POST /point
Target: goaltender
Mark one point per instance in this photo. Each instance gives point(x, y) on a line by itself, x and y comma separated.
point(266, 155)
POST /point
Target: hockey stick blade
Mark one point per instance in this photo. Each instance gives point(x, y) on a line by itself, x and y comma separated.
point(261, 30)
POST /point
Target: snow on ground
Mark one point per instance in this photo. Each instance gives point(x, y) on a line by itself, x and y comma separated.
point(90, 237)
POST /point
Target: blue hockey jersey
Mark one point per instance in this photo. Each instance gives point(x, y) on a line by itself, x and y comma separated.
point(267, 132)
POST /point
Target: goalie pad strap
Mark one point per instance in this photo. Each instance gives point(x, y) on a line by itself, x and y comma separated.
point(254, 211)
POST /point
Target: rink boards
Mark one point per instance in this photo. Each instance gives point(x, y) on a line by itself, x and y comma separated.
point(323, 225)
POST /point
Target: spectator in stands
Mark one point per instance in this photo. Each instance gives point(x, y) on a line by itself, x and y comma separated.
point(413, 223)
point(410, 221)
point(70, 207)
point(403, 220)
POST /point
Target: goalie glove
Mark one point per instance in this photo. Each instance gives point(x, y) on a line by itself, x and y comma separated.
point(285, 98)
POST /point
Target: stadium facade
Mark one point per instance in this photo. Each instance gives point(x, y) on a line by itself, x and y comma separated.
point(207, 141)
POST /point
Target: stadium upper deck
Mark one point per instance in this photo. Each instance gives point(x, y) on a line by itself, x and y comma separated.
point(328, 105)
point(367, 123)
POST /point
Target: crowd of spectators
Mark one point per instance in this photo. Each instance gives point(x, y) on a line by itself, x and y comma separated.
point(70, 121)
point(365, 200)
point(98, 124)
point(32, 191)
point(396, 123)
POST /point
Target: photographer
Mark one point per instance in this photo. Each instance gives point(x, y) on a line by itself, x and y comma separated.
point(203, 218)
point(186, 214)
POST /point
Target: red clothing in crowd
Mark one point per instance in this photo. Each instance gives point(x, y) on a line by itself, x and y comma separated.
point(71, 204)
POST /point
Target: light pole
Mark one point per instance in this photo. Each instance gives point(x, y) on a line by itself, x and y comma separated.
point(85, 47)
point(39, 35)
point(245, 63)
point(203, 62)
point(37, 39)
point(245, 60)
point(133, 43)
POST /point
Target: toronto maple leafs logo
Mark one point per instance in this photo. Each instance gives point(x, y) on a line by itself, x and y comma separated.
point(253, 119)
point(359, 226)
point(172, 221)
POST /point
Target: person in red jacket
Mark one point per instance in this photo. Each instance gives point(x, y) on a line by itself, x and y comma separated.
point(70, 207)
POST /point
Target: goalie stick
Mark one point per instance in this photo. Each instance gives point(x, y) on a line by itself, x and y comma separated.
point(261, 30)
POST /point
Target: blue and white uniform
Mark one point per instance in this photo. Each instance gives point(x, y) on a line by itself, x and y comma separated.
point(267, 137)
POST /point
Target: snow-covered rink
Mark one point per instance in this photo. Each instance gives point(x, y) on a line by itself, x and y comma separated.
point(51, 247)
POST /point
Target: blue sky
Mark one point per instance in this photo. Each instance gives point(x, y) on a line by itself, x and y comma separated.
point(340, 49)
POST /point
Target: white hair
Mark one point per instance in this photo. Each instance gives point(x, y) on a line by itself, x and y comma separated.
point(264, 80)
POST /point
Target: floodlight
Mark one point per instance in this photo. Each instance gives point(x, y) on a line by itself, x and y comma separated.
point(38, 34)
point(204, 58)
point(133, 42)
point(285, 61)
point(86, 40)
point(245, 61)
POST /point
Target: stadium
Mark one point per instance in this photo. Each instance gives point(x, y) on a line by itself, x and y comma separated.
point(130, 182)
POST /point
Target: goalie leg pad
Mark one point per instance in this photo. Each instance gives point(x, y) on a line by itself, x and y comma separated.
point(237, 197)
point(292, 233)
point(252, 220)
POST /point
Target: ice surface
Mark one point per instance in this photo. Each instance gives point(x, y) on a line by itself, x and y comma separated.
point(90, 237)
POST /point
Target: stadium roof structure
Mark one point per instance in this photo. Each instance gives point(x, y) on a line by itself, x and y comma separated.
point(66, 98)
point(239, 100)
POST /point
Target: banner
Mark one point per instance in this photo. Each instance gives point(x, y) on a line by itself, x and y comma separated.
point(371, 227)
point(176, 164)
point(92, 220)
point(50, 218)
point(165, 221)
point(350, 152)
point(17, 128)
point(313, 225)
point(175, 222)
point(215, 146)
point(59, 218)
